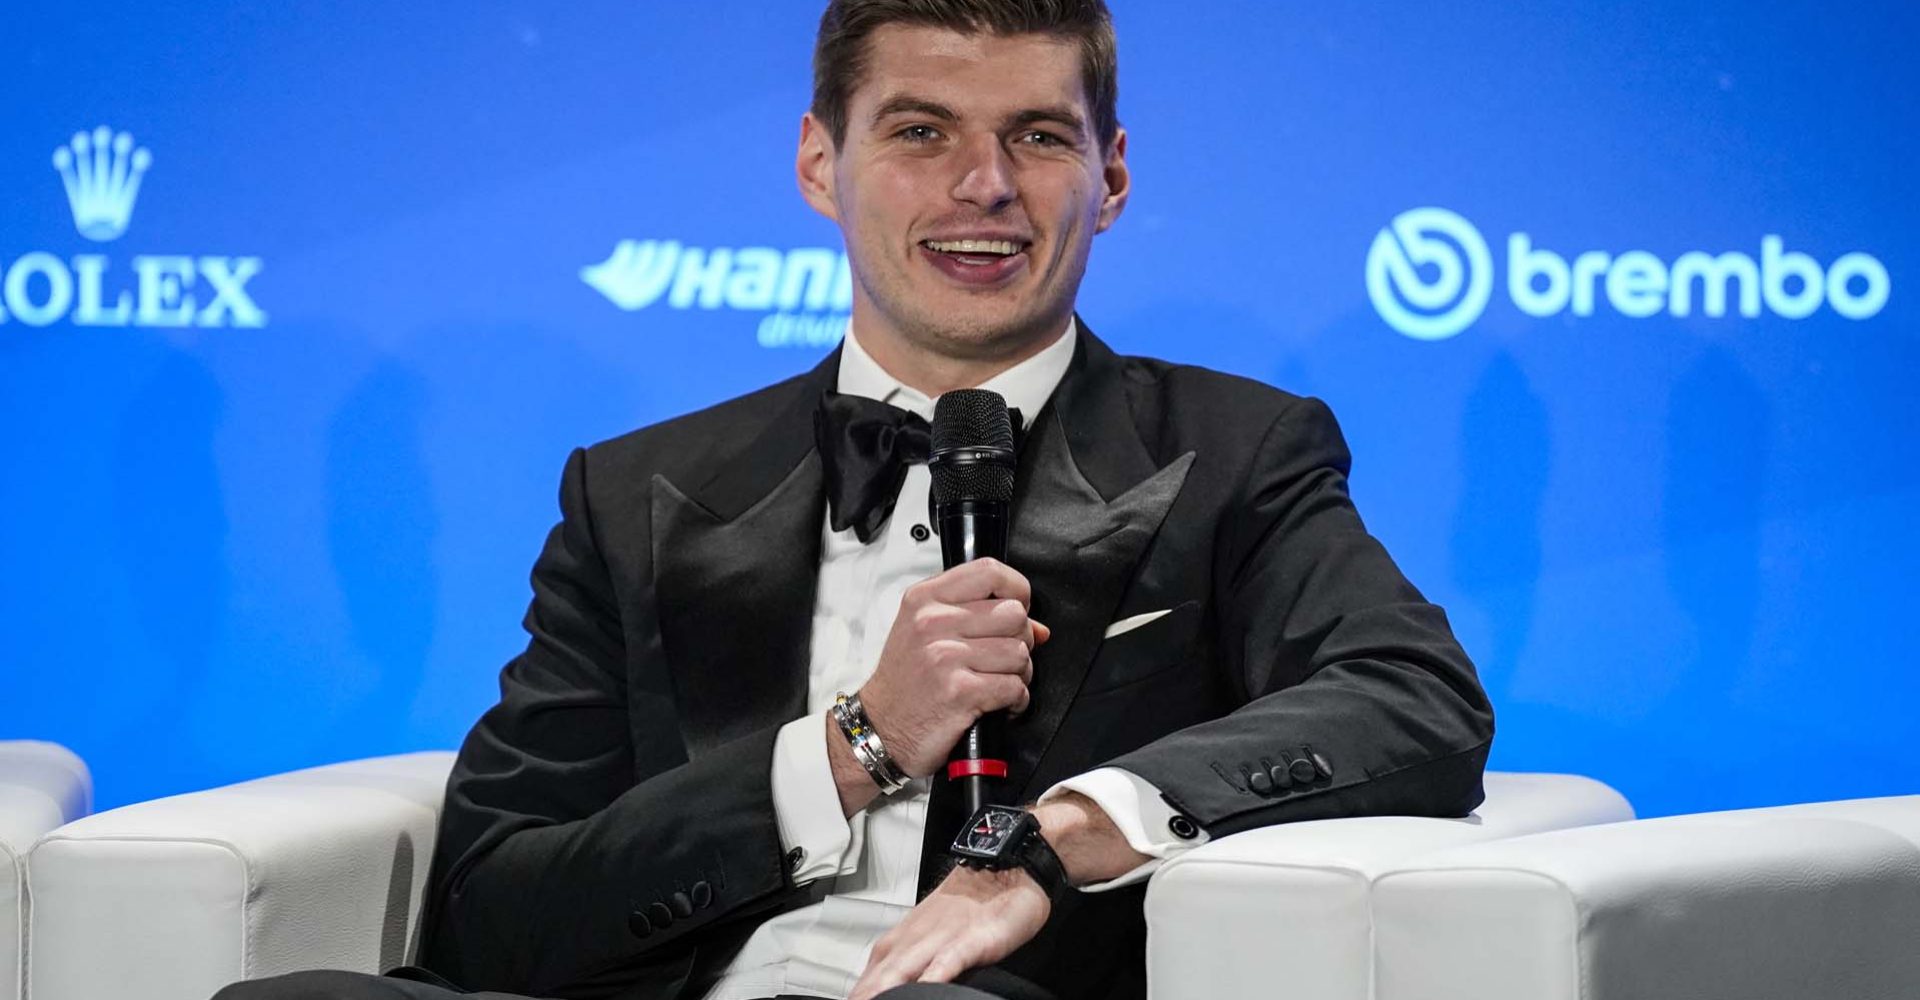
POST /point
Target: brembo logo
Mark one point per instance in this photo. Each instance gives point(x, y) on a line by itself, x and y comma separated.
point(1454, 255)
point(1430, 276)
point(101, 172)
point(808, 291)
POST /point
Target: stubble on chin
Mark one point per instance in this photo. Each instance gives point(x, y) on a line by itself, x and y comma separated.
point(982, 339)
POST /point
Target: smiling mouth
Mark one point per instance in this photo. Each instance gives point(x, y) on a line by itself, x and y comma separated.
point(976, 252)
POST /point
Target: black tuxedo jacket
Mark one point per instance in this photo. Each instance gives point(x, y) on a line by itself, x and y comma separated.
point(609, 826)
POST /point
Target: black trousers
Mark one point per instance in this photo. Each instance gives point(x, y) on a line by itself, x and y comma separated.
point(982, 984)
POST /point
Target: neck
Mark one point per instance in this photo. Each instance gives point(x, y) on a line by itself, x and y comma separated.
point(933, 372)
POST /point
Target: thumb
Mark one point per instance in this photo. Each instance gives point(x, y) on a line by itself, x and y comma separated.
point(1040, 632)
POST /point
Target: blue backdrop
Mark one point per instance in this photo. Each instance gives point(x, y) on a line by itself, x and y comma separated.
point(1611, 299)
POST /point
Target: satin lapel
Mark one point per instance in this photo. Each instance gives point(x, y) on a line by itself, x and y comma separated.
point(736, 560)
point(1080, 552)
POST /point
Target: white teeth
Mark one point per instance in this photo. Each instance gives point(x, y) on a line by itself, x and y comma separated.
point(1001, 247)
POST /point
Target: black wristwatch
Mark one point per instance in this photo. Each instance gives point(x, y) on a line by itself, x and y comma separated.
point(1002, 837)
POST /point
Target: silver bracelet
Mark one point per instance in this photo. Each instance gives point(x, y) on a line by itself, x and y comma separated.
point(865, 741)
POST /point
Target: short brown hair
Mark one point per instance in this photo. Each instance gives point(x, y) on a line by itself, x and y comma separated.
point(840, 50)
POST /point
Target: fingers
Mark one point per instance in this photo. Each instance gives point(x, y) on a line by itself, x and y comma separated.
point(944, 968)
point(899, 966)
point(989, 657)
point(979, 580)
point(1000, 656)
point(926, 960)
point(1020, 703)
point(992, 617)
point(981, 692)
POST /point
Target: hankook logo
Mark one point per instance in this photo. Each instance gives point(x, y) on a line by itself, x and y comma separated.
point(808, 291)
point(101, 172)
point(1430, 276)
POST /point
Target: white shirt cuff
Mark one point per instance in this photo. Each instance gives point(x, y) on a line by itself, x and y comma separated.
point(806, 803)
point(1138, 810)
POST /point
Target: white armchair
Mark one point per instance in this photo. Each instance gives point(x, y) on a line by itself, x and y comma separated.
point(174, 898)
point(1287, 910)
point(1789, 903)
point(324, 868)
point(42, 785)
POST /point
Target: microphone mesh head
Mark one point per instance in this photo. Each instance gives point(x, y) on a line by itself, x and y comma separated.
point(971, 418)
point(972, 447)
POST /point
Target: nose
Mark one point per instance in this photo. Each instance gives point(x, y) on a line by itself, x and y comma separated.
point(986, 175)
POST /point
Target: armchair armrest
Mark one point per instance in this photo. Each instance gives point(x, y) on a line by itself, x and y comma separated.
point(174, 898)
point(1786, 903)
point(42, 785)
point(1288, 908)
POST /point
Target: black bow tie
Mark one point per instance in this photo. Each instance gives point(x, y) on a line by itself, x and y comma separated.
point(865, 448)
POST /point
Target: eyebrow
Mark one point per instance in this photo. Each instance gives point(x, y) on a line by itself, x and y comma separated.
point(1063, 117)
point(913, 105)
point(903, 104)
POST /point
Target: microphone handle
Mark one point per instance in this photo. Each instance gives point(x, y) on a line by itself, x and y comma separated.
point(969, 530)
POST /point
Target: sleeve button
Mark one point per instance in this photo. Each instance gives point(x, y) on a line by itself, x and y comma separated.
point(1260, 781)
point(1282, 778)
point(682, 905)
point(659, 915)
point(1302, 769)
point(702, 894)
point(638, 923)
point(1321, 764)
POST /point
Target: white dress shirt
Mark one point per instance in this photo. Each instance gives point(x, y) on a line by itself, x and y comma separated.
point(863, 871)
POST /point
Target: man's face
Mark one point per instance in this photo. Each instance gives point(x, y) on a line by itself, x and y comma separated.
point(969, 187)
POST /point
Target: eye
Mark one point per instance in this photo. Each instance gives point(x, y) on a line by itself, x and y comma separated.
point(918, 134)
point(1042, 139)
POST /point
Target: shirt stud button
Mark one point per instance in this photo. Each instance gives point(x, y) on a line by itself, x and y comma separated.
point(920, 533)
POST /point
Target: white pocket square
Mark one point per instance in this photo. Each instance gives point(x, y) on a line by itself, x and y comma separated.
point(1125, 625)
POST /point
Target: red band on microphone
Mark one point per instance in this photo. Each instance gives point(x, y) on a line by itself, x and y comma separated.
point(964, 768)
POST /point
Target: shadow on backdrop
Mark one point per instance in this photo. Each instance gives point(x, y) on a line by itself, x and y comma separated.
point(1506, 455)
point(381, 532)
point(170, 527)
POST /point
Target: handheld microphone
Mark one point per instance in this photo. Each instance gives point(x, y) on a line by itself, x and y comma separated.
point(972, 465)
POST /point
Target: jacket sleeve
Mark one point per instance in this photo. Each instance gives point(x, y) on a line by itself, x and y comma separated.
point(1357, 698)
point(559, 865)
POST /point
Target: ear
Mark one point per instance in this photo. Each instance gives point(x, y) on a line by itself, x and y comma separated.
point(813, 166)
point(1119, 182)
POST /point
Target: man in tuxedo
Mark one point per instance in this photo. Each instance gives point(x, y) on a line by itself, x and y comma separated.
point(1193, 634)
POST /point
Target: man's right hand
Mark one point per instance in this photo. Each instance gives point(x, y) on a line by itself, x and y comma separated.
point(961, 646)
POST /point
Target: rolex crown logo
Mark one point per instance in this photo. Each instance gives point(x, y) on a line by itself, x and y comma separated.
point(102, 174)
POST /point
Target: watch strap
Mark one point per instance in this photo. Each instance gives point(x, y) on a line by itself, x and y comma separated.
point(1043, 863)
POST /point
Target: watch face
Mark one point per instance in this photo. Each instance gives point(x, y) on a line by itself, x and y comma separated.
point(989, 832)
